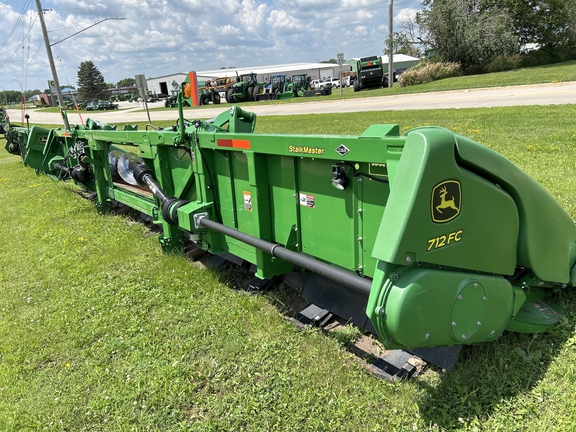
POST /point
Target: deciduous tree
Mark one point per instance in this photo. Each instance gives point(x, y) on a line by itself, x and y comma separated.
point(465, 32)
point(126, 82)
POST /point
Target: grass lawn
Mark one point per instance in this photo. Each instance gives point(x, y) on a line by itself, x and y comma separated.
point(101, 331)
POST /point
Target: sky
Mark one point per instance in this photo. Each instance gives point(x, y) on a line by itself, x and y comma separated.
point(162, 37)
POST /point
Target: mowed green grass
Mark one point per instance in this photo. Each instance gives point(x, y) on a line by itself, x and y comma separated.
point(101, 331)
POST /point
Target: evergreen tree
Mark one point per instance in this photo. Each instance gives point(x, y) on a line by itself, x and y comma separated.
point(91, 84)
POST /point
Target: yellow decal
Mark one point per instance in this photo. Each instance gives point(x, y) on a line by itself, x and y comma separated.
point(306, 150)
point(446, 200)
point(444, 240)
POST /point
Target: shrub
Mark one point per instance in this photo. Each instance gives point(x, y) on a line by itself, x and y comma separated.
point(504, 63)
point(548, 55)
point(429, 72)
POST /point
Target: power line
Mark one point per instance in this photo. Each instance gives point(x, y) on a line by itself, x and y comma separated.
point(16, 24)
point(4, 11)
point(126, 3)
point(28, 65)
point(18, 47)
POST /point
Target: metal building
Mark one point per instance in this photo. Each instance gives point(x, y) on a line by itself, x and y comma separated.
point(166, 84)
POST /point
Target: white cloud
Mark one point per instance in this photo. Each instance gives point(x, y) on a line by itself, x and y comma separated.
point(282, 20)
point(406, 14)
point(160, 37)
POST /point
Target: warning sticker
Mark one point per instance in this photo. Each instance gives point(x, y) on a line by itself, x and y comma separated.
point(247, 201)
point(307, 200)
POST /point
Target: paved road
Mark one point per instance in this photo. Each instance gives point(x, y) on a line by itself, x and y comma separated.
point(539, 94)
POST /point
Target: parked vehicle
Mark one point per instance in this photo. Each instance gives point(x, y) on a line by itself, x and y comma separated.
point(348, 81)
point(321, 84)
point(106, 105)
point(335, 83)
point(398, 72)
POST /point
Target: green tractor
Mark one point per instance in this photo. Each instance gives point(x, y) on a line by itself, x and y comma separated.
point(281, 87)
point(300, 83)
point(245, 90)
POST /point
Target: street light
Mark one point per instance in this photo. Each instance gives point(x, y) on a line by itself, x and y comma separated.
point(49, 52)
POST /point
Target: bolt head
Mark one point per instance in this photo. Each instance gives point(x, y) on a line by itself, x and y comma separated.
point(408, 259)
point(453, 323)
point(427, 336)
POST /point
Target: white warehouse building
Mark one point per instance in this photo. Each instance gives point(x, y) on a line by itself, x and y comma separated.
point(168, 83)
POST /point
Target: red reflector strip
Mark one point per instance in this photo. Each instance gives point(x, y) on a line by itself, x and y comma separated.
point(194, 88)
point(234, 143)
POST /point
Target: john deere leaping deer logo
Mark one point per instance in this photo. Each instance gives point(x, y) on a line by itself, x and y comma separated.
point(446, 201)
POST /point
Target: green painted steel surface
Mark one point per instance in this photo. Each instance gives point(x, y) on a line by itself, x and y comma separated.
point(458, 242)
point(441, 213)
point(420, 307)
point(547, 236)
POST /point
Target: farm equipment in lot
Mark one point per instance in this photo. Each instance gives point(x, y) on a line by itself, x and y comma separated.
point(427, 239)
point(281, 87)
point(245, 90)
point(300, 84)
point(370, 73)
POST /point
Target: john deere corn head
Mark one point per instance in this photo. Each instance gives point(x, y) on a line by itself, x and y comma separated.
point(428, 239)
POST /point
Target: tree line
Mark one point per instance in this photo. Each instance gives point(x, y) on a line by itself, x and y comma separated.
point(91, 86)
point(476, 33)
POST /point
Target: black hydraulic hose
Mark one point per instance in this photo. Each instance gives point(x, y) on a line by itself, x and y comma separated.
point(143, 175)
point(334, 273)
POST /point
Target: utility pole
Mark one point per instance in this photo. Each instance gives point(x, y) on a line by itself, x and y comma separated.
point(391, 47)
point(49, 53)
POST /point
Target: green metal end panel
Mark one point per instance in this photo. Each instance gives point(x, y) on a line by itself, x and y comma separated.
point(33, 154)
point(443, 214)
point(547, 240)
point(421, 307)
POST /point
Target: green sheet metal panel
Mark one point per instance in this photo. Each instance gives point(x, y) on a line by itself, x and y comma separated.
point(440, 213)
point(433, 307)
point(328, 231)
point(547, 240)
point(429, 307)
point(283, 196)
point(222, 174)
point(372, 204)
